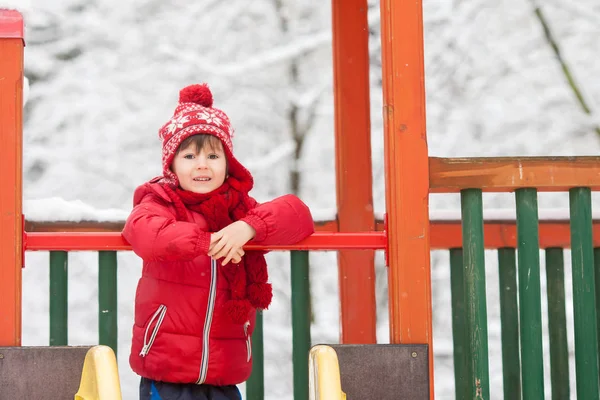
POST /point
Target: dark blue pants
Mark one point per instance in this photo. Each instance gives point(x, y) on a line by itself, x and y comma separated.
point(154, 390)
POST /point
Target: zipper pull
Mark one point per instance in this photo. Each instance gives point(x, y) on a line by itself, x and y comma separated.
point(144, 350)
point(248, 342)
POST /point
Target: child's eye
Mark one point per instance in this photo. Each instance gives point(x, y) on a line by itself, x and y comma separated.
point(213, 156)
point(188, 156)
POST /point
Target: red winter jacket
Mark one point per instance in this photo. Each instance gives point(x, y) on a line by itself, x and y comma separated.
point(179, 333)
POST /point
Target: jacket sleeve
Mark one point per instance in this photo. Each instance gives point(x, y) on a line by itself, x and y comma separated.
point(284, 220)
point(155, 235)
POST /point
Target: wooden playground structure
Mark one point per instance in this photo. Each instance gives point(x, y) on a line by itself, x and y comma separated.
point(407, 235)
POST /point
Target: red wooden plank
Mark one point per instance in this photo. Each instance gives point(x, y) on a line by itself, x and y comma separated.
point(353, 167)
point(11, 154)
point(92, 241)
point(407, 174)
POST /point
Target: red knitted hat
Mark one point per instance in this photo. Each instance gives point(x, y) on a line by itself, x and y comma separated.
point(195, 115)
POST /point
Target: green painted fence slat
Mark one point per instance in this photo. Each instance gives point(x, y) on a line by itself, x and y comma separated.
point(459, 325)
point(58, 298)
point(530, 312)
point(475, 297)
point(509, 317)
point(597, 282)
point(107, 299)
point(557, 324)
point(300, 323)
point(255, 386)
point(584, 302)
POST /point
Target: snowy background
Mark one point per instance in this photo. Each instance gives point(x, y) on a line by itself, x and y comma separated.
point(104, 76)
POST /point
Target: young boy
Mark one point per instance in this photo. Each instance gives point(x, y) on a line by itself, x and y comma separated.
point(196, 301)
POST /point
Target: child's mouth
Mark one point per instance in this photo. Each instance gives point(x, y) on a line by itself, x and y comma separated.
point(201, 179)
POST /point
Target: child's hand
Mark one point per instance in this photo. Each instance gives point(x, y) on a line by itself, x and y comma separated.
point(236, 258)
point(228, 242)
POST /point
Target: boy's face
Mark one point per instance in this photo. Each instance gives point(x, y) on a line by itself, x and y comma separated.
point(200, 171)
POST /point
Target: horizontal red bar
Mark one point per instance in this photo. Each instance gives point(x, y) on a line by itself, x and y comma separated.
point(11, 24)
point(444, 235)
point(93, 241)
point(448, 234)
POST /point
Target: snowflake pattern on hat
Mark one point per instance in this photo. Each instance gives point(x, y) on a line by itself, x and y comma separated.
point(176, 123)
point(211, 118)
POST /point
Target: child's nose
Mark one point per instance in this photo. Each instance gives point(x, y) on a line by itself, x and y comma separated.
point(201, 162)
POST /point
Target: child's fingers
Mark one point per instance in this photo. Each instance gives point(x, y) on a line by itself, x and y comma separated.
point(217, 247)
point(223, 252)
point(234, 255)
point(214, 238)
point(228, 257)
point(212, 248)
point(237, 256)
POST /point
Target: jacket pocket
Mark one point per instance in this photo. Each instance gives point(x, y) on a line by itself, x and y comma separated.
point(150, 333)
point(248, 341)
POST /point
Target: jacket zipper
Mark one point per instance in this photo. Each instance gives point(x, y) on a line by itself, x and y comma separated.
point(160, 314)
point(248, 341)
point(207, 322)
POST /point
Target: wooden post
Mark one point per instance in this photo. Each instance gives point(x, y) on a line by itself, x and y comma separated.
point(11, 129)
point(353, 168)
point(407, 174)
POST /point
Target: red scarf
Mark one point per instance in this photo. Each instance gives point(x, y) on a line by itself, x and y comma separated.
point(248, 279)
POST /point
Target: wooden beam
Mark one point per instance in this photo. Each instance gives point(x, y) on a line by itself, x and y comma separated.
point(506, 174)
point(498, 234)
point(11, 165)
point(444, 234)
point(406, 174)
point(353, 167)
point(106, 241)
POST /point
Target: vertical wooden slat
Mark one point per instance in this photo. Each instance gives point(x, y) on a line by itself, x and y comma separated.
point(557, 324)
point(509, 317)
point(584, 302)
point(459, 325)
point(475, 296)
point(11, 155)
point(353, 167)
point(597, 288)
point(406, 174)
point(107, 299)
point(59, 305)
point(300, 322)
point(255, 386)
point(530, 308)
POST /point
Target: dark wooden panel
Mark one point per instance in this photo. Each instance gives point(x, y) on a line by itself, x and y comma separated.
point(41, 373)
point(384, 371)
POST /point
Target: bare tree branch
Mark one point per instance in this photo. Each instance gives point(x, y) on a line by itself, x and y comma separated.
point(563, 64)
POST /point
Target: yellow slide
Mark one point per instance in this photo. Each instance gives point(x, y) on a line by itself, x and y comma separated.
point(324, 374)
point(100, 376)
